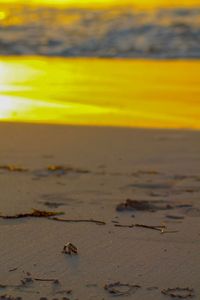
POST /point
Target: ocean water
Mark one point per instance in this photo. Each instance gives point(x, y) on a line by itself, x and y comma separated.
point(103, 92)
point(105, 32)
point(55, 66)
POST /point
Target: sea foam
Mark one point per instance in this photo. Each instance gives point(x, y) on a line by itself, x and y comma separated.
point(110, 32)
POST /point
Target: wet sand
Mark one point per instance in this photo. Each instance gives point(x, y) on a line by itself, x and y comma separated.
point(103, 92)
point(148, 247)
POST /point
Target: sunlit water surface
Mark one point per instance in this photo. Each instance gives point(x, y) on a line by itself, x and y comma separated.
point(153, 31)
point(133, 93)
point(147, 3)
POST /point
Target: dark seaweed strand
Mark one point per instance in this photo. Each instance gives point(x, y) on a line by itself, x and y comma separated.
point(78, 221)
point(173, 292)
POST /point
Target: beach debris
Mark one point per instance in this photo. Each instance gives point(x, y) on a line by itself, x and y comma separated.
point(114, 221)
point(61, 170)
point(141, 205)
point(144, 173)
point(190, 190)
point(152, 288)
point(152, 186)
point(51, 216)
point(2, 286)
point(191, 211)
point(70, 249)
point(173, 217)
point(13, 168)
point(91, 285)
point(161, 228)
point(58, 170)
point(153, 194)
point(55, 168)
point(52, 204)
point(7, 297)
point(68, 292)
point(78, 221)
point(181, 293)
point(35, 213)
point(55, 281)
point(26, 280)
point(184, 205)
point(12, 270)
point(169, 231)
point(134, 205)
point(121, 289)
point(54, 200)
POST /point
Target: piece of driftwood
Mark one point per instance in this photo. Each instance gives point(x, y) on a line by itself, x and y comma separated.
point(78, 221)
point(35, 213)
point(181, 293)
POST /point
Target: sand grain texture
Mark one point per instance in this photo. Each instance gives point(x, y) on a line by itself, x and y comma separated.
point(138, 263)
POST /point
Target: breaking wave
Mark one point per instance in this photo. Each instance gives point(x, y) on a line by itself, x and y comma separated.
point(111, 32)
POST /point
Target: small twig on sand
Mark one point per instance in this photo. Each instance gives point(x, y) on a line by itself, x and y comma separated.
point(169, 231)
point(12, 270)
point(160, 228)
point(56, 281)
point(78, 221)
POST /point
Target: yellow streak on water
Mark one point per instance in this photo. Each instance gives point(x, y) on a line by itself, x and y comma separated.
point(139, 3)
point(133, 93)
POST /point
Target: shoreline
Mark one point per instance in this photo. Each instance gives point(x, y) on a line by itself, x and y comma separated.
point(99, 126)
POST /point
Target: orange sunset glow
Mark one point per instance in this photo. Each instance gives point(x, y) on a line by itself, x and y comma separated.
point(144, 3)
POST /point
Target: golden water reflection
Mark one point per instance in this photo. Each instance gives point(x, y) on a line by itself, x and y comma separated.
point(162, 94)
point(139, 3)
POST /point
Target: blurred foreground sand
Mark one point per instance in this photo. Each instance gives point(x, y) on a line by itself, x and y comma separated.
point(104, 167)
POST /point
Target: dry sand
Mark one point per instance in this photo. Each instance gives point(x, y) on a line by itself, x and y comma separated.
point(105, 166)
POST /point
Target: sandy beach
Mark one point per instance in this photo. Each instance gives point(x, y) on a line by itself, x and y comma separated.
point(99, 149)
point(130, 199)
